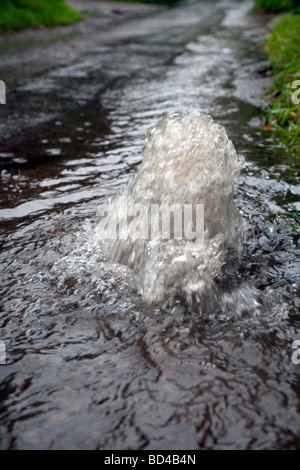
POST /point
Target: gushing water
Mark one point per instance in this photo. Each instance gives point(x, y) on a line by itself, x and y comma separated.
point(186, 161)
point(89, 364)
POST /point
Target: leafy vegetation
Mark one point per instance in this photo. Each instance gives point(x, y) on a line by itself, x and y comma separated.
point(277, 6)
point(283, 112)
point(20, 14)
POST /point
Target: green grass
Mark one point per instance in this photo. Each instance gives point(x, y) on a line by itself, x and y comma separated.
point(276, 6)
point(283, 49)
point(282, 114)
point(20, 14)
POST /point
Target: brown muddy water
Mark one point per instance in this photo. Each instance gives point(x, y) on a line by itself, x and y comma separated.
point(89, 363)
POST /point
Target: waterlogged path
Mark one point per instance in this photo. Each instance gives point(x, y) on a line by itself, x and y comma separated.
point(88, 363)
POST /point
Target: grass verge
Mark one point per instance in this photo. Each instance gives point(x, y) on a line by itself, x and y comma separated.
point(20, 14)
point(276, 6)
point(283, 112)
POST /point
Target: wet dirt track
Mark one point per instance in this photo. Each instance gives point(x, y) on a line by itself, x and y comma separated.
point(89, 364)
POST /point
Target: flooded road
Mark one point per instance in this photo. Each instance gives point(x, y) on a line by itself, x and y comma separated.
point(89, 364)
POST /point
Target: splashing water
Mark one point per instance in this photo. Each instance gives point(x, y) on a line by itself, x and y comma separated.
point(187, 161)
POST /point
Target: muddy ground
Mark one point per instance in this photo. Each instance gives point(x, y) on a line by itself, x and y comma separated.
point(33, 51)
point(51, 71)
